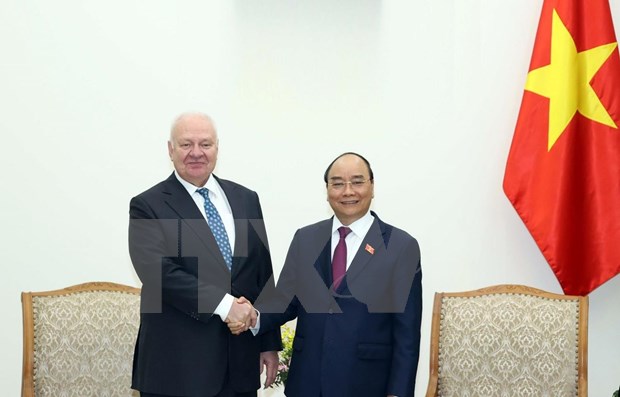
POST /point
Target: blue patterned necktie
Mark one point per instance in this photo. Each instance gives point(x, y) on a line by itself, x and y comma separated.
point(217, 227)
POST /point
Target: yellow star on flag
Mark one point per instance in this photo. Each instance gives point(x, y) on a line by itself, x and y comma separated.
point(566, 81)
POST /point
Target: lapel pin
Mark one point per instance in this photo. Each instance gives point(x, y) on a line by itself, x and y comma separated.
point(370, 249)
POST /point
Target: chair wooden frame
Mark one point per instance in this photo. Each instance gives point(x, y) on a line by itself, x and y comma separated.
point(510, 289)
point(28, 322)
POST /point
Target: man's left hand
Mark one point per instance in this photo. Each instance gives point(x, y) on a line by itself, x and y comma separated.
point(270, 361)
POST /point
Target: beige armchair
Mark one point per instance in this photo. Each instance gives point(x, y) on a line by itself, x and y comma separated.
point(79, 341)
point(508, 341)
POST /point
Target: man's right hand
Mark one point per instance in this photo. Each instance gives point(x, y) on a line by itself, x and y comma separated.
point(241, 316)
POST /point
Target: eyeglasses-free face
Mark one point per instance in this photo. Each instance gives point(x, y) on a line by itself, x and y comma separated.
point(349, 189)
point(193, 149)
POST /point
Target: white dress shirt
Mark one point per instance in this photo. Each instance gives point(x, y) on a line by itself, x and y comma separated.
point(359, 228)
point(219, 200)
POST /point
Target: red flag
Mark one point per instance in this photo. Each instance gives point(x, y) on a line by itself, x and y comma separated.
point(563, 171)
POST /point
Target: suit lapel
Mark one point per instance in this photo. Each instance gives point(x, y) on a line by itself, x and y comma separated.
point(239, 211)
point(178, 199)
point(323, 263)
point(373, 246)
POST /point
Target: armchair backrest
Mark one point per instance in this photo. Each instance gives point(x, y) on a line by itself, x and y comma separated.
point(79, 341)
point(508, 340)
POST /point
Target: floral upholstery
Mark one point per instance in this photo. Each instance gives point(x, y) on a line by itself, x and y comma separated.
point(83, 343)
point(508, 345)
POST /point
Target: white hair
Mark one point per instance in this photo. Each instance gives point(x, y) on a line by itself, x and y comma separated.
point(186, 115)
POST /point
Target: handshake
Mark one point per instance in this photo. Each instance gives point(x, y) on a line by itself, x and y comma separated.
point(241, 317)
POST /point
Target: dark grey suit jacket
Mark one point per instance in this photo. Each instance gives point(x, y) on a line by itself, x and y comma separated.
point(182, 348)
point(362, 339)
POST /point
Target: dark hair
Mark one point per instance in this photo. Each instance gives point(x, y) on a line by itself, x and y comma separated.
point(329, 167)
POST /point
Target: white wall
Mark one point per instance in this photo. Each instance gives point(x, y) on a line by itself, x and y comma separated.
point(428, 90)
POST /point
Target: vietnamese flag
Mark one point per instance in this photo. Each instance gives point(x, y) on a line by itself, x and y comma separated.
point(563, 171)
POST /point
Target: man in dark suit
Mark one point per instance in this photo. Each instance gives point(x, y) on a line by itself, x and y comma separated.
point(197, 242)
point(354, 283)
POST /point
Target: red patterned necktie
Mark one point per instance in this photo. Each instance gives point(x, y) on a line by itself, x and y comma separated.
point(339, 262)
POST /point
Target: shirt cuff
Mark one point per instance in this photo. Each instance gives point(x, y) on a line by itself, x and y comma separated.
point(224, 307)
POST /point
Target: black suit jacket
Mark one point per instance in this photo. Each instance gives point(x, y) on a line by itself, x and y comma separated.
point(363, 339)
point(182, 348)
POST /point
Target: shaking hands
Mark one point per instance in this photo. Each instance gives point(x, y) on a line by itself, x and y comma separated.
point(241, 316)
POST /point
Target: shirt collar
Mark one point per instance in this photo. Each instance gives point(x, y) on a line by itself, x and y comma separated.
point(359, 227)
point(212, 185)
